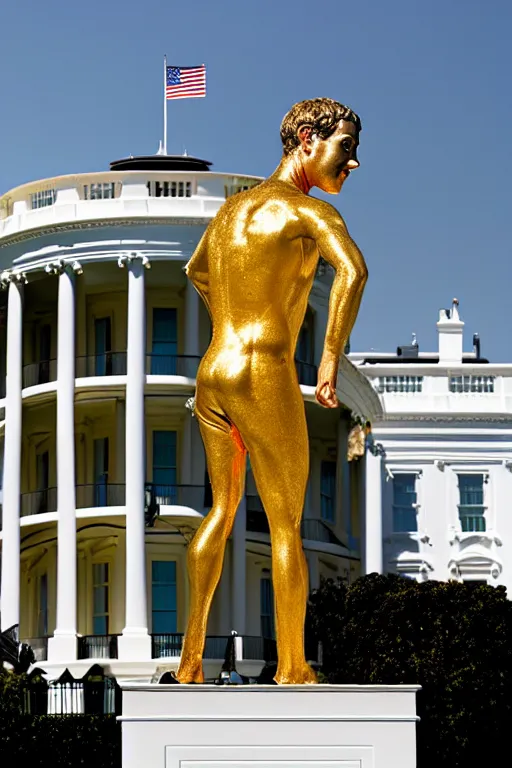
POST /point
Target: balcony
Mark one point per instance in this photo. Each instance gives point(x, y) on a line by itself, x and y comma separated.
point(40, 372)
point(172, 365)
point(38, 502)
point(472, 523)
point(100, 495)
point(253, 648)
point(104, 364)
point(307, 373)
point(192, 496)
point(317, 530)
point(97, 647)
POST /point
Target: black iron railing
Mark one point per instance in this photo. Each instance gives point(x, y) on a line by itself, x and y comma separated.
point(180, 495)
point(307, 373)
point(38, 502)
point(172, 365)
point(256, 520)
point(259, 648)
point(103, 364)
point(215, 647)
point(73, 697)
point(97, 647)
point(166, 645)
point(100, 495)
point(40, 372)
point(317, 530)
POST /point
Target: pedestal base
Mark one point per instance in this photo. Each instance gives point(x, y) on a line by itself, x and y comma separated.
point(317, 726)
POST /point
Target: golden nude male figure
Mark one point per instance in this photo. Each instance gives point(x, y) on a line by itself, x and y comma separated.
point(254, 269)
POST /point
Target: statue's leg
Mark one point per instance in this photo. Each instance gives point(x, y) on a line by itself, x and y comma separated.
point(225, 455)
point(277, 439)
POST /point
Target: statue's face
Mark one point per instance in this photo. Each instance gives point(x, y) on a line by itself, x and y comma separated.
point(332, 159)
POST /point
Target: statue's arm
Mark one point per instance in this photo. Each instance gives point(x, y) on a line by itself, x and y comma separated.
point(337, 247)
point(197, 270)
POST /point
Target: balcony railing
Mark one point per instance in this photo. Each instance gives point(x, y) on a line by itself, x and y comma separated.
point(172, 365)
point(472, 523)
point(307, 373)
point(177, 495)
point(97, 647)
point(39, 373)
point(100, 495)
point(317, 530)
point(170, 646)
point(104, 364)
point(38, 502)
point(39, 645)
point(256, 520)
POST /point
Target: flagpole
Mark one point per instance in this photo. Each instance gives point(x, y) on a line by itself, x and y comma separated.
point(165, 105)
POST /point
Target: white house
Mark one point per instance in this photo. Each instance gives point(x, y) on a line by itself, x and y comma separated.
point(439, 498)
point(104, 478)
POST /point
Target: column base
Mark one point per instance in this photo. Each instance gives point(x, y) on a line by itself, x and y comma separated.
point(62, 647)
point(134, 645)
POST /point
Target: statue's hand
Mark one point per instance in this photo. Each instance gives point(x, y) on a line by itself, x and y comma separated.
point(326, 386)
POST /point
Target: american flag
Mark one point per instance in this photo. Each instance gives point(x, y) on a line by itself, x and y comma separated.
point(185, 82)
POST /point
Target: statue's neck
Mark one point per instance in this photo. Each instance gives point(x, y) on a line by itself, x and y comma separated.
point(292, 170)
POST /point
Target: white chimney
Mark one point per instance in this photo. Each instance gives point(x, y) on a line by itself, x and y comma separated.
point(450, 329)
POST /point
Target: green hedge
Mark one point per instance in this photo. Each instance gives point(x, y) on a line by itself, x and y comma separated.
point(53, 741)
point(452, 639)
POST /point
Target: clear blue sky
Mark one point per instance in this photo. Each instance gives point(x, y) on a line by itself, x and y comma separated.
point(431, 205)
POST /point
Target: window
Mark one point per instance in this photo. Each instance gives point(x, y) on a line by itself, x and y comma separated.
point(43, 198)
point(328, 491)
point(100, 598)
point(460, 384)
point(163, 592)
point(170, 188)
point(42, 615)
point(267, 607)
point(100, 447)
point(404, 501)
point(104, 191)
point(164, 466)
point(165, 342)
point(471, 506)
point(45, 347)
point(399, 384)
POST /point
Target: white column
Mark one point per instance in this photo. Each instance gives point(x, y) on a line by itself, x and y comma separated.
point(238, 572)
point(62, 646)
point(373, 517)
point(191, 325)
point(135, 642)
point(10, 604)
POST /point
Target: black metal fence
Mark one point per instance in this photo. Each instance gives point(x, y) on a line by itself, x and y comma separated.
point(94, 694)
point(166, 645)
point(38, 502)
point(103, 364)
point(40, 372)
point(172, 365)
point(100, 495)
point(181, 495)
point(97, 647)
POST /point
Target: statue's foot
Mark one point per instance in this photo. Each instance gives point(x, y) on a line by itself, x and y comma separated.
point(190, 674)
point(303, 675)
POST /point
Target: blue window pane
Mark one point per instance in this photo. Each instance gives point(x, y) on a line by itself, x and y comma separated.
point(163, 571)
point(164, 622)
point(164, 461)
point(165, 342)
point(328, 490)
point(164, 597)
point(100, 625)
point(404, 499)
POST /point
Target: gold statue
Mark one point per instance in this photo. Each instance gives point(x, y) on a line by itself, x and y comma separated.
point(254, 269)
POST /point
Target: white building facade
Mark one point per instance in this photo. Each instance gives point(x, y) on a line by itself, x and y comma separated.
point(438, 503)
point(104, 476)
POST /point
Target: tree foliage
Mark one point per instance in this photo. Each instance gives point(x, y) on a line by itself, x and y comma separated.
point(452, 639)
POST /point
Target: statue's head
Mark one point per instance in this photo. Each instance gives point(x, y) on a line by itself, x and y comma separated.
point(325, 134)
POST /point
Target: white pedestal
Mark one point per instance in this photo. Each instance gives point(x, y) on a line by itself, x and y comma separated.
point(317, 726)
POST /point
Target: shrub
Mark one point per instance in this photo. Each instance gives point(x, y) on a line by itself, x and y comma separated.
point(452, 639)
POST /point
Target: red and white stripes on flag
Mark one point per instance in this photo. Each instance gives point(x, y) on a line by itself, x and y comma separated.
point(185, 82)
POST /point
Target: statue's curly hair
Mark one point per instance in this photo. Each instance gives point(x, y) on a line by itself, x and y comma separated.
point(322, 115)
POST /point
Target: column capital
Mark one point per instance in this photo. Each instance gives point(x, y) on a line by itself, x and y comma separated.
point(128, 258)
point(12, 277)
point(60, 266)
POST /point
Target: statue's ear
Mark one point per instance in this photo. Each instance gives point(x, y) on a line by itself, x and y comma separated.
point(304, 135)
